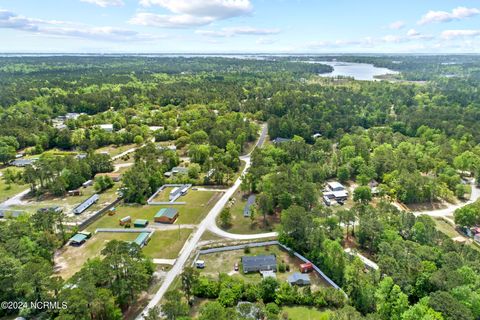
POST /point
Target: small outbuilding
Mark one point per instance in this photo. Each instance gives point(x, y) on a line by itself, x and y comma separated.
point(279, 140)
point(125, 220)
point(88, 234)
point(78, 239)
point(299, 279)
point(142, 239)
point(306, 267)
point(140, 223)
point(166, 215)
point(335, 186)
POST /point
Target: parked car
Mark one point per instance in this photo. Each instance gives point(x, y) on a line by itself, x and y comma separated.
point(235, 267)
point(200, 264)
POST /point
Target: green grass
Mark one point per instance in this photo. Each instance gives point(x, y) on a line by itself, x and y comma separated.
point(244, 225)
point(166, 244)
point(198, 205)
point(115, 150)
point(163, 196)
point(304, 313)
point(70, 202)
point(8, 191)
point(72, 258)
point(223, 262)
point(446, 228)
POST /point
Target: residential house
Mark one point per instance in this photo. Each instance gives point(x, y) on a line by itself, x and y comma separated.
point(259, 263)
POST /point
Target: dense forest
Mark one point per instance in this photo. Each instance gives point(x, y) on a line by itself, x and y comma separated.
point(418, 140)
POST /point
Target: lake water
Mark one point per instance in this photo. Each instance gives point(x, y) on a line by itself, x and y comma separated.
point(358, 71)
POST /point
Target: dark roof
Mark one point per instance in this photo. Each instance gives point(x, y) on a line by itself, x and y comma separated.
point(167, 212)
point(250, 202)
point(257, 263)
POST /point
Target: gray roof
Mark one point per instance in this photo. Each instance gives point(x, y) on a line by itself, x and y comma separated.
point(280, 140)
point(23, 162)
point(299, 277)
point(250, 202)
point(259, 263)
point(85, 204)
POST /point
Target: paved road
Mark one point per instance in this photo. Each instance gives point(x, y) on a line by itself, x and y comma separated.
point(117, 167)
point(209, 220)
point(118, 156)
point(15, 200)
point(448, 211)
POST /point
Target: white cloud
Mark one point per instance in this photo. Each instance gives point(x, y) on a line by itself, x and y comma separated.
point(396, 25)
point(413, 33)
point(191, 13)
point(452, 34)
point(106, 3)
point(169, 21)
point(444, 16)
point(11, 20)
point(234, 31)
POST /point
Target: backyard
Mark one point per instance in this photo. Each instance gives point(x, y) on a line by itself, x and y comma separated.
point(166, 244)
point(223, 262)
point(198, 203)
point(70, 259)
point(244, 225)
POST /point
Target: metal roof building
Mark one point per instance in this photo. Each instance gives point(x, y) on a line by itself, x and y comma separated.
point(86, 204)
point(140, 223)
point(78, 239)
point(259, 263)
point(142, 238)
point(300, 279)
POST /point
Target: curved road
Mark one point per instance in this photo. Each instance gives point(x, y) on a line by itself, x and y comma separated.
point(474, 196)
point(207, 223)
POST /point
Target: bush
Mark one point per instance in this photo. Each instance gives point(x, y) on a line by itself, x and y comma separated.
point(282, 267)
point(246, 250)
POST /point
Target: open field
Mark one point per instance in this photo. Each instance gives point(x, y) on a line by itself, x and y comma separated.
point(223, 262)
point(198, 205)
point(244, 225)
point(70, 259)
point(166, 244)
point(115, 150)
point(68, 203)
point(8, 191)
point(303, 313)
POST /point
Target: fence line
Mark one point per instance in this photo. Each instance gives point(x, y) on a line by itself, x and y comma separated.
point(269, 243)
point(85, 223)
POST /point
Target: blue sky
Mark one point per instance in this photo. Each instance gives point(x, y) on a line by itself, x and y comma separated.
point(233, 26)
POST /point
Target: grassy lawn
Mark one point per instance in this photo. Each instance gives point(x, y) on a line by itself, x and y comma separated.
point(446, 228)
point(223, 262)
point(69, 202)
point(166, 244)
point(208, 235)
point(115, 150)
point(164, 194)
point(8, 191)
point(244, 225)
point(304, 313)
point(198, 205)
point(71, 259)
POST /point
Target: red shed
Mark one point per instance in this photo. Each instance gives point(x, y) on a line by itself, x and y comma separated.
point(306, 267)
